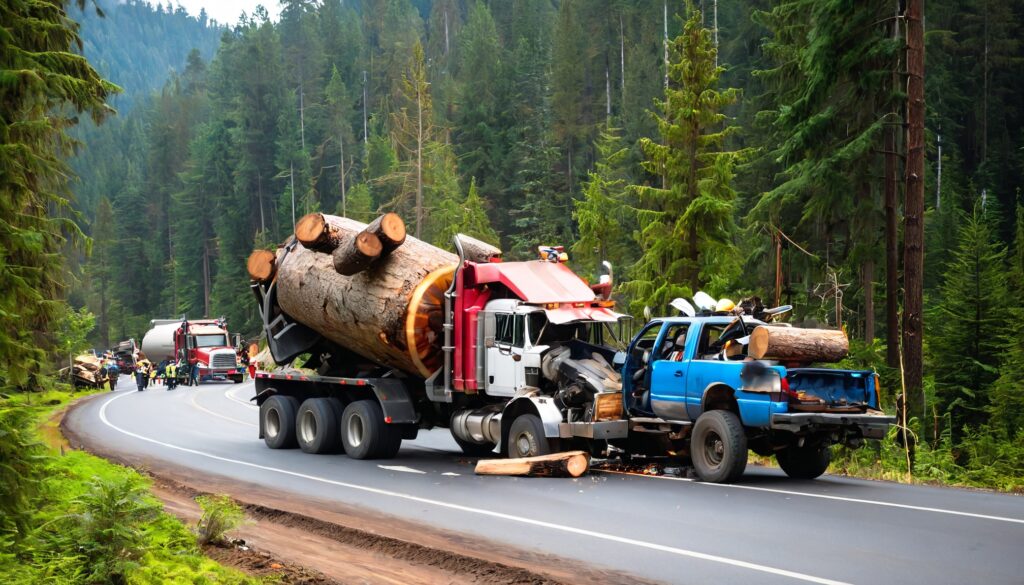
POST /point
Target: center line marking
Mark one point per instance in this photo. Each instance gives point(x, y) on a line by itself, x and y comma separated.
point(489, 513)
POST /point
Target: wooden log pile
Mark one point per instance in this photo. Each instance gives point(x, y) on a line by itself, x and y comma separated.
point(372, 289)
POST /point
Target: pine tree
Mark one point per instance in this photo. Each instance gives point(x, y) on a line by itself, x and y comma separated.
point(967, 336)
point(1007, 406)
point(339, 115)
point(601, 214)
point(477, 120)
point(102, 266)
point(686, 224)
point(463, 216)
point(413, 131)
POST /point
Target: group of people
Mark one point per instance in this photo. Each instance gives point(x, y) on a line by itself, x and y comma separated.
point(168, 372)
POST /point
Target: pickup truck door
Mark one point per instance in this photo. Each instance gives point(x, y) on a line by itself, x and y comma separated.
point(669, 375)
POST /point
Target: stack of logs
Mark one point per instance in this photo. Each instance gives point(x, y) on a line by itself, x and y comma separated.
point(372, 289)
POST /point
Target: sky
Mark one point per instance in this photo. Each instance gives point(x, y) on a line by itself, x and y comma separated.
point(225, 11)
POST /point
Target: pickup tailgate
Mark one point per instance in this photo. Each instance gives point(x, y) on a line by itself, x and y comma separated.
point(821, 399)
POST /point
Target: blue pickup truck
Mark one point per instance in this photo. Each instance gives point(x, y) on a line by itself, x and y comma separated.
point(689, 388)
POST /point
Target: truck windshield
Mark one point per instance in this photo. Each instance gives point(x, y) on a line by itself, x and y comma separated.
point(211, 341)
point(543, 332)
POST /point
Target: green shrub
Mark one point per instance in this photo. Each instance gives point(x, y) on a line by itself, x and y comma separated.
point(220, 514)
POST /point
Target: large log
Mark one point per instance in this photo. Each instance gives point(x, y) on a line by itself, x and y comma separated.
point(798, 345)
point(477, 250)
point(568, 464)
point(389, 313)
point(314, 232)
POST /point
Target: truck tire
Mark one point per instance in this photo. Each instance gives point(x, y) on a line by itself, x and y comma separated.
point(316, 426)
point(238, 379)
point(278, 417)
point(365, 434)
point(475, 449)
point(806, 462)
point(718, 446)
point(526, 437)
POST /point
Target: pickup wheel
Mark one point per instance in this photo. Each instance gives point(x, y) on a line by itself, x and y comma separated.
point(316, 426)
point(718, 446)
point(806, 462)
point(365, 434)
point(526, 437)
point(278, 417)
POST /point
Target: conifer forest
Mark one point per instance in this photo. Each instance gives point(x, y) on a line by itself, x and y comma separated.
point(779, 148)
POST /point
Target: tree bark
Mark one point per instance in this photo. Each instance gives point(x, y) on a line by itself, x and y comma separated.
point(261, 265)
point(798, 345)
point(390, 230)
point(892, 231)
point(568, 464)
point(913, 211)
point(478, 251)
point(356, 252)
point(387, 313)
point(313, 232)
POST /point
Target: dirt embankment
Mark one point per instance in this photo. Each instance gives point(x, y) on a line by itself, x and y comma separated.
point(310, 541)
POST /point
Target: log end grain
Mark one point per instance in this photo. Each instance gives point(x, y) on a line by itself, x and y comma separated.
point(390, 230)
point(311, 229)
point(356, 253)
point(262, 265)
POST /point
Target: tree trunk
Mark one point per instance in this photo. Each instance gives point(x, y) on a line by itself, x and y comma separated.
point(261, 265)
point(868, 276)
point(568, 464)
point(313, 232)
point(356, 253)
point(478, 251)
point(798, 345)
point(892, 231)
point(913, 210)
point(389, 229)
point(389, 313)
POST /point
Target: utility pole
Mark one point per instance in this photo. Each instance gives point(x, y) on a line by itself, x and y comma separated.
point(366, 135)
point(302, 117)
point(938, 172)
point(913, 211)
point(622, 65)
point(292, 175)
point(714, 7)
point(665, 40)
point(341, 167)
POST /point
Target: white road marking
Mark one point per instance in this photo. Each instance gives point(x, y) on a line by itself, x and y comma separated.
point(450, 474)
point(825, 497)
point(192, 399)
point(401, 468)
point(229, 393)
point(489, 513)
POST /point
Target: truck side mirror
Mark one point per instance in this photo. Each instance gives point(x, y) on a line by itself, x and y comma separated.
point(619, 360)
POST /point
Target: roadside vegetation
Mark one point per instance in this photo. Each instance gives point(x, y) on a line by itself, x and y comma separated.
point(71, 517)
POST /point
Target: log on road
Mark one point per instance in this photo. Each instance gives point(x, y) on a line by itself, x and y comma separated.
point(567, 464)
point(798, 345)
point(388, 313)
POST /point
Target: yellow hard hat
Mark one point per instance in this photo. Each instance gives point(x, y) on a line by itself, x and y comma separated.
point(724, 305)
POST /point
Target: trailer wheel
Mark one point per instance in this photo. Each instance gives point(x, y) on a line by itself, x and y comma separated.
point(806, 462)
point(365, 434)
point(278, 417)
point(718, 446)
point(526, 437)
point(316, 426)
point(238, 379)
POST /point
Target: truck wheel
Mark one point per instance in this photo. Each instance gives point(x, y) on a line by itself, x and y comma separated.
point(718, 446)
point(475, 449)
point(526, 437)
point(806, 462)
point(316, 426)
point(237, 379)
point(365, 434)
point(278, 416)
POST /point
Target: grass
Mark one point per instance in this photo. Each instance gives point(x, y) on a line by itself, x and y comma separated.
point(76, 518)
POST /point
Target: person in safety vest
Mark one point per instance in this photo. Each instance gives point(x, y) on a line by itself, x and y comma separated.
point(171, 375)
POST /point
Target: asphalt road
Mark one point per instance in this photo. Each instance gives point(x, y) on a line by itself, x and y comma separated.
point(767, 529)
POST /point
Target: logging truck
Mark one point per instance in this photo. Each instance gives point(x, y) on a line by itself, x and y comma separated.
point(397, 336)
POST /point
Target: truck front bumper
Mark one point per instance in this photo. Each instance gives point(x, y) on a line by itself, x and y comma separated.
point(611, 429)
point(871, 426)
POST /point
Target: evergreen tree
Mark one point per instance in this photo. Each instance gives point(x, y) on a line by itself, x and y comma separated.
point(605, 226)
point(467, 216)
point(1007, 406)
point(686, 224)
point(967, 336)
point(477, 118)
point(102, 267)
point(413, 131)
point(43, 85)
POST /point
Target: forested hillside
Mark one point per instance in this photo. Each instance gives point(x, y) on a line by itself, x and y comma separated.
point(765, 156)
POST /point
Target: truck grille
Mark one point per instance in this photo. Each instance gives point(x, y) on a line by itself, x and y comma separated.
point(222, 360)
